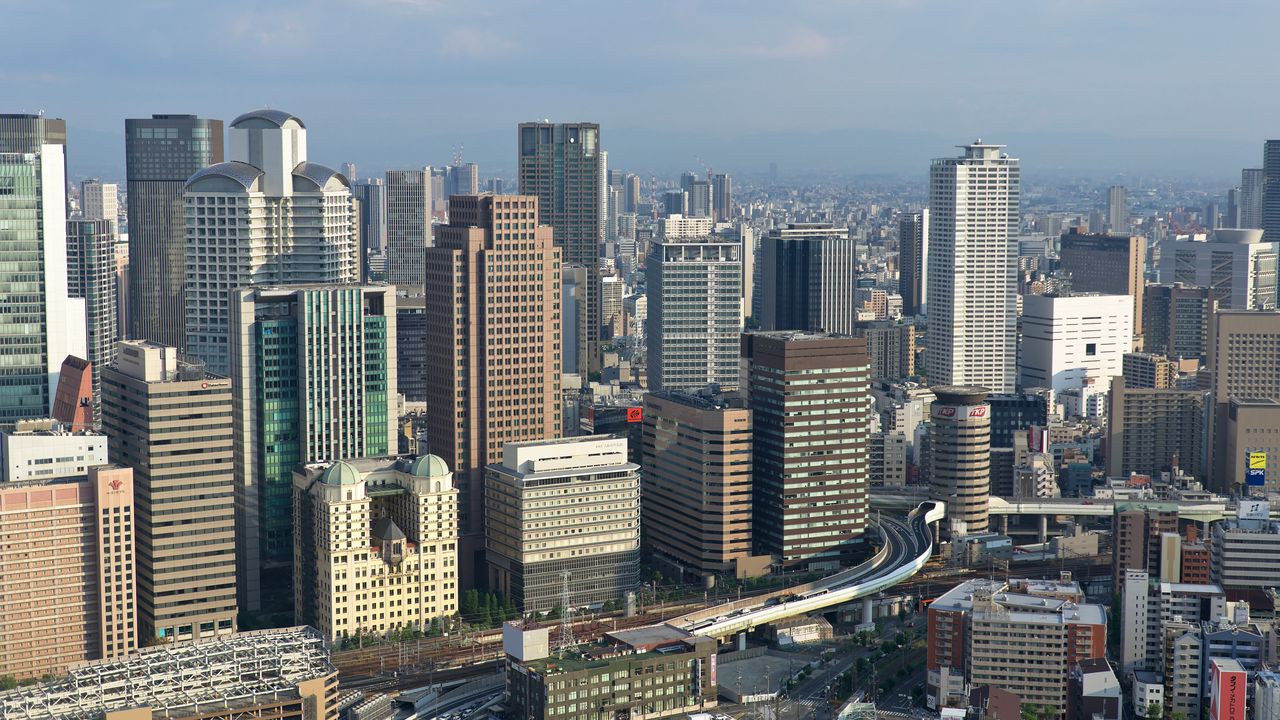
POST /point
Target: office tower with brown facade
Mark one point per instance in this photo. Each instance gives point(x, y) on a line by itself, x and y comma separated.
point(493, 346)
point(1244, 352)
point(811, 406)
point(171, 421)
point(1106, 264)
point(67, 571)
point(1137, 529)
point(697, 485)
point(1150, 430)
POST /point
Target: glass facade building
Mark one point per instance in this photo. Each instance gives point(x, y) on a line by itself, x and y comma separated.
point(91, 265)
point(161, 152)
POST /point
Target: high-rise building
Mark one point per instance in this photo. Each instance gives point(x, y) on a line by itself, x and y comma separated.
point(722, 197)
point(69, 558)
point(694, 321)
point(392, 521)
point(408, 228)
point(1271, 190)
point(314, 242)
point(40, 322)
point(700, 199)
point(314, 373)
point(891, 347)
point(1137, 530)
point(1073, 341)
point(1246, 550)
point(808, 276)
point(675, 202)
point(807, 391)
point(171, 422)
point(161, 153)
point(913, 261)
point(1176, 320)
point(463, 179)
point(91, 277)
point(1244, 351)
point(560, 165)
point(1252, 182)
point(411, 347)
point(1147, 370)
point(697, 486)
point(960, 457)
point(283, 674)
point(563, 506)
point(972, 283)
point(372, 196)
point(493, 330)
point(100, 201)
point(1237, 266)
point(1249, 432)
point(1106, 264)
point(631, 193)
point(1117, 209)
point(1151, 430)
point(1023, 636)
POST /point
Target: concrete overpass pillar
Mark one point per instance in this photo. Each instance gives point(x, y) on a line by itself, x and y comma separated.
point(868, 614)
point(742, 640)
point(1044, 528)
point(1004, 524)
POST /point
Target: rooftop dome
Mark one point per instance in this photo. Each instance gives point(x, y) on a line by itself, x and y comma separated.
point(241, 172)
point(430, 466)
point(275, 117)
point(340, 473)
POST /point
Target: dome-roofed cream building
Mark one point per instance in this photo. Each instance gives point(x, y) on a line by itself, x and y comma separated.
point(375, 544)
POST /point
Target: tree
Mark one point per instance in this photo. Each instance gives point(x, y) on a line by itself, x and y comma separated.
point(555, 613)
point(1155, 711)
point(8, 682)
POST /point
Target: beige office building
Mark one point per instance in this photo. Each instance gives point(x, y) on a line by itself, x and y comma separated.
point(960, 465)
point(1148, 429)
point(493, 345)
point(375, 545)
point(1244, 352)
point(1146, 370)
point(171, 421)
point(66, 572)
point(563, 506)
point(1252, 427)
point(696, 506)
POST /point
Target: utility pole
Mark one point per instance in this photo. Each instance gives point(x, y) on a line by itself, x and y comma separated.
point(566, 624)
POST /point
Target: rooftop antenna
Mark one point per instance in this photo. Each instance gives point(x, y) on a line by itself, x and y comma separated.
point(566, 624)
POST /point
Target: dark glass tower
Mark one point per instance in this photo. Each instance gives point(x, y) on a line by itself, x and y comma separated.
point(560, 164)
point(161, 153)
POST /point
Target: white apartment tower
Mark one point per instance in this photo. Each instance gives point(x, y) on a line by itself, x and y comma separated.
point(266, 216)
point(972, 275)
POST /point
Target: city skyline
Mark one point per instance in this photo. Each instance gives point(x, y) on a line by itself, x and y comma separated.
point(814, 51)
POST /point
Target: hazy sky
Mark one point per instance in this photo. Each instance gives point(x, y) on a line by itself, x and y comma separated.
point(864, 85)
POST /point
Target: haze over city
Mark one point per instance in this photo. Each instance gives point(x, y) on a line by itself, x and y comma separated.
point(1172, 88)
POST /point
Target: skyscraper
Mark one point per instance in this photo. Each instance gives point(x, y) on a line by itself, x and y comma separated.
point(1176, 319)
point(463, 179)
point(560, 165)
point(91, 266)
point(1244, 352)
point(40, 323)
point(493, 346)
point(100, 201)
point(239, 233)
point(694, 286)
point(808, 278)
point(722, 197)
point(960, 461)
point(372, 196)
point(1117, 209)
point(1238, 266)
point(315, 375)
point(408, 228)
point(972, 275)
point(631, 193)
point(913, 261)
point(1107, 264)
point(171, 422)
point(1271, 190)
point(1074, 341)
point(1252, 181)
point(700, 199)
point(1148, 430)
point(161, 153)
point(809, 513)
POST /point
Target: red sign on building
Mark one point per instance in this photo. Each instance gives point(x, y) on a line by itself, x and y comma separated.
point(635, 415)
point(1227, 687)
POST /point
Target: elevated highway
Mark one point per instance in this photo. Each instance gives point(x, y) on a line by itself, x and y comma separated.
point(1200, 511)
point(907, 546)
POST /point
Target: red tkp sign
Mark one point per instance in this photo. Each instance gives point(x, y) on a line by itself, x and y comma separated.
point(978, 412)
point(635, 415)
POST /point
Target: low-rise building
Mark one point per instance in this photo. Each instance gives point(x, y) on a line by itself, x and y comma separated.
point(1246, 551)
point(642, 674)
